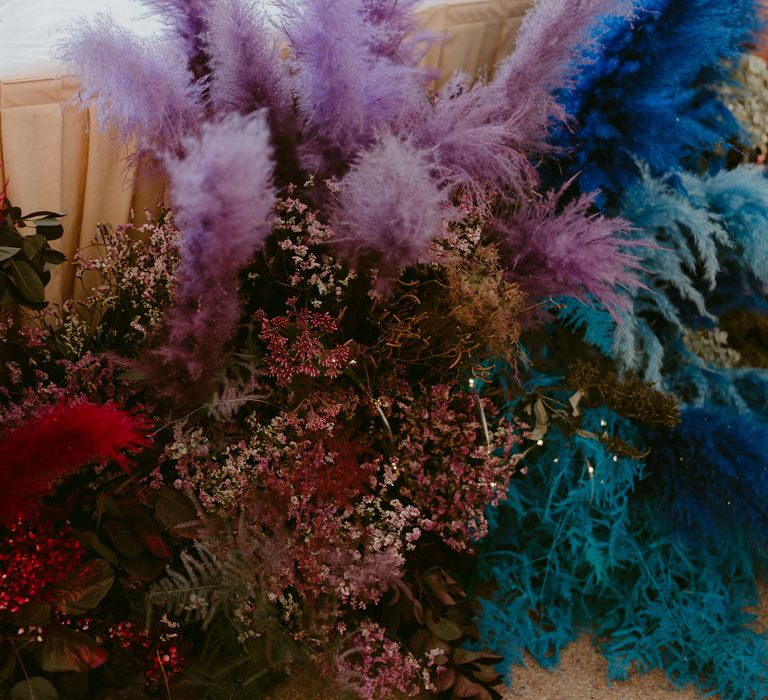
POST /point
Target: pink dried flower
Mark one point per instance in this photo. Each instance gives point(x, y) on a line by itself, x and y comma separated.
point(295, 345)
point(375, 667)
point(444, 465)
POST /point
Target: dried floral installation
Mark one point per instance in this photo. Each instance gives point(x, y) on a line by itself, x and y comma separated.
point(401, 382)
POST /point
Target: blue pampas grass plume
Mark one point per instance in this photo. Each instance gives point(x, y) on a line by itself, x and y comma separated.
point(710, 475)
point(140, 87)
point(638, 98)
point(740, 198)
point(707, 230)
point(224, 221)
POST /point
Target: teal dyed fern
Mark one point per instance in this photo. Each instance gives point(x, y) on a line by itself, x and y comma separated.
point(575, 549)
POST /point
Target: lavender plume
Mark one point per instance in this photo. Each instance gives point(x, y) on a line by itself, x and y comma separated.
point(245, 66)
point(346, 91)
point(390, 207)
point(188, 20)
point(223, 196)
point(140, 87)
point(571, 252)
point(395, 32)
point(473, 138)
point(554, 35)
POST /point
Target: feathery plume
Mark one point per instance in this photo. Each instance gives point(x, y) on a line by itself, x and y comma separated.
point(58, 442)
point(570, 252)
point(555, 36)
point(245, 66)
point(347, 91)
point(140, 87)
point(390, 207)
point(189, 22)
point(224, 220)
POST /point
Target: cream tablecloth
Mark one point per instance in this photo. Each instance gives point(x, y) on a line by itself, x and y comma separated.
point(54, 156)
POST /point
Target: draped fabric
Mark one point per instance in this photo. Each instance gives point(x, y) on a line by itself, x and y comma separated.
point(54, 156)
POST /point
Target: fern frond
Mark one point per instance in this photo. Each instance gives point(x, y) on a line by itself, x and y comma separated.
point(203, 587)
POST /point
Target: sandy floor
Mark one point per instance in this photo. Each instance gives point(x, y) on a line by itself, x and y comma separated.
point(582, 676)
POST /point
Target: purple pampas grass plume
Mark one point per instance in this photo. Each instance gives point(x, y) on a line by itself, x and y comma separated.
point(188, 20)
point(551, 253)
point(554, 34)
point(141, 88)
point(245, 66)
point(223, 196)
point(473, 138)
point(395, 32)
point(346, 91)
point(389, 208)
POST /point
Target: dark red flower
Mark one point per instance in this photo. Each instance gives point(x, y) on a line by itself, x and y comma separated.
point(34, 557)
point(58, 442)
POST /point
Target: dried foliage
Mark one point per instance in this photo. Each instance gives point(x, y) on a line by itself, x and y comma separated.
point(630, 397)
point(449, 319)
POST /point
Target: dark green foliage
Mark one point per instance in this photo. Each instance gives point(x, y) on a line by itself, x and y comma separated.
point(26, 260)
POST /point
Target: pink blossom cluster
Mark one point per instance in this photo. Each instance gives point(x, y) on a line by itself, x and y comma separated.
point(295, 347)
point(46, 381)
point(375, 667)
point(305, 239)
point(312, 507)
point(134, 272)
point(447, 465)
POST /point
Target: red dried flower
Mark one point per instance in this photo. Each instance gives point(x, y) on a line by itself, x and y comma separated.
point(34, 557)
point(58, 442)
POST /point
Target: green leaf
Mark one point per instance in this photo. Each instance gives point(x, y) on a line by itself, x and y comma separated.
point(35, 614)
point(65, 650)
point(11, 237)
point(464, 656)
point(51, 231)
point(132, 375)
point(33, 245)
point(107, 505)
point(92, 540)
point(121, 533)
point(444, 629)
point(36, 688)
point(54, 257)
point(7, 251)
point(27, 281)
point(144, 567)
point(145, 528)
point(83, 588)
point(45, 214)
